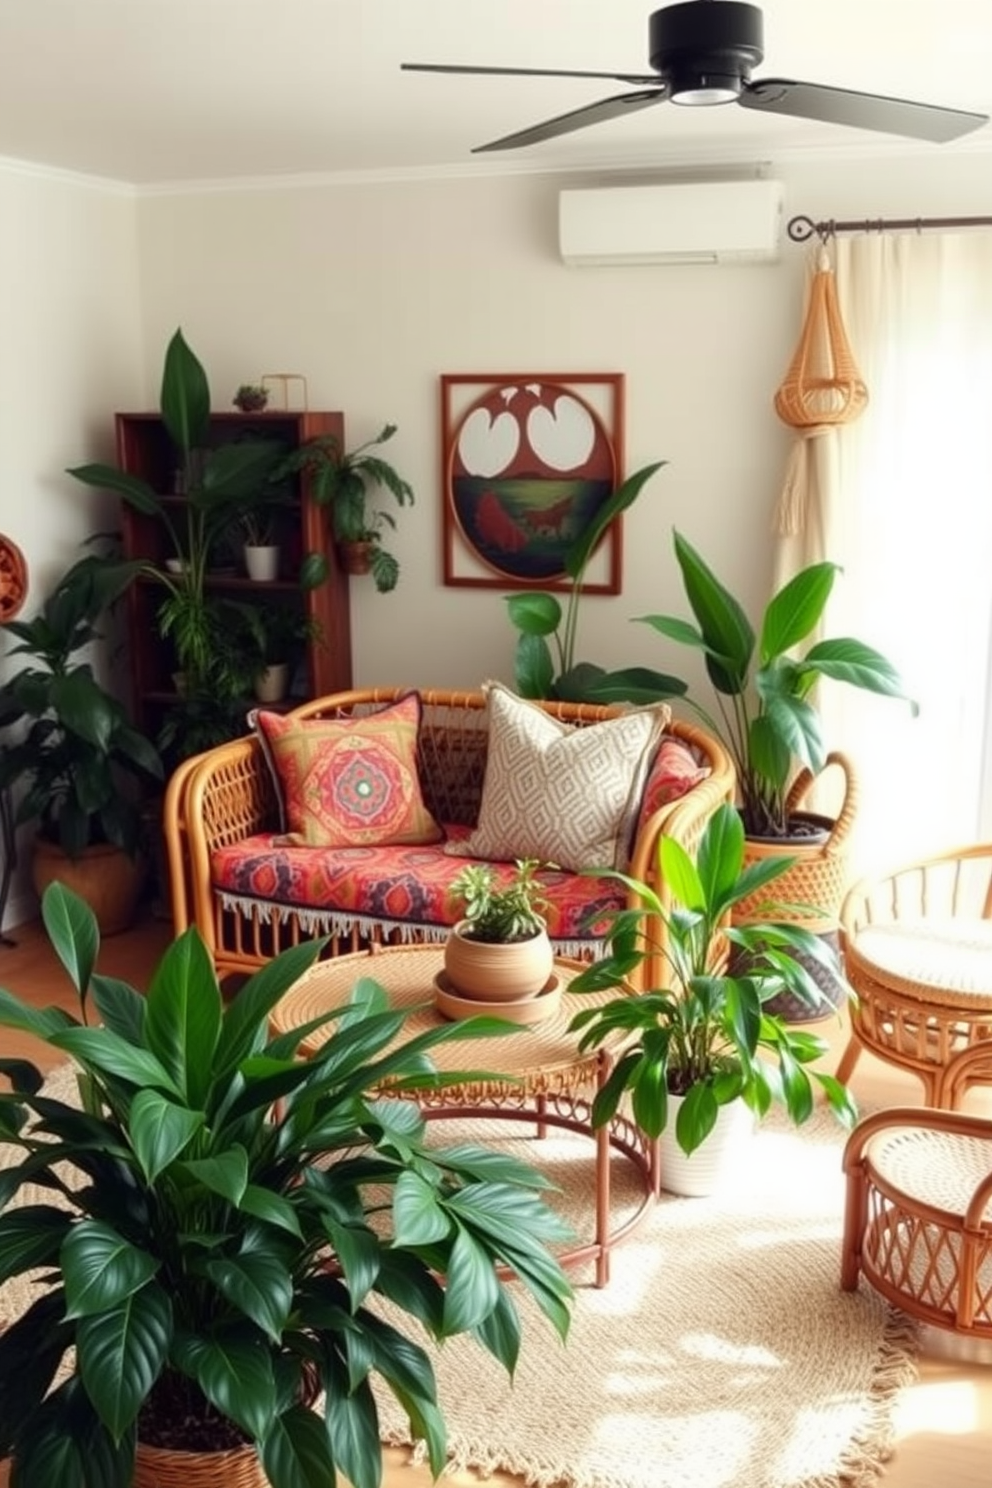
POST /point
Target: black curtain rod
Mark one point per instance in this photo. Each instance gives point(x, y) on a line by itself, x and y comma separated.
point(801, 229)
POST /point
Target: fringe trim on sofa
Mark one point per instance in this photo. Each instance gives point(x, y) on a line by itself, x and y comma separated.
point(334, 922)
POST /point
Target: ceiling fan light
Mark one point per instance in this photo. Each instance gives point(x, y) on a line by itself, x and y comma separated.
point(707, 91)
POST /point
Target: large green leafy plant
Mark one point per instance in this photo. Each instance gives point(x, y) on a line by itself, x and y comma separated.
point(544, 660)
point(768, 718)
point(343, 480)
point(222, 485)
point(78, 750)
point(703, 1032)
point(226, 1217)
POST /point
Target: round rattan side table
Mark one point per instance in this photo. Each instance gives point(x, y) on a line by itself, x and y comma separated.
point(540, 1077)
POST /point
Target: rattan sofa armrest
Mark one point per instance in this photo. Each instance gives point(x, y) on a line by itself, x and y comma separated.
point(217, 799)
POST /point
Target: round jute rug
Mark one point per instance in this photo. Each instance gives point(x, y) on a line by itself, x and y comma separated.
point(721, 1355)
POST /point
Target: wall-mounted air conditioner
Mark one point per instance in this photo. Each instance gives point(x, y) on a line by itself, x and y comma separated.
point(713, 222)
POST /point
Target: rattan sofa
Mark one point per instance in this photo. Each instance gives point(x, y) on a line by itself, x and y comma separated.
point(223, 803)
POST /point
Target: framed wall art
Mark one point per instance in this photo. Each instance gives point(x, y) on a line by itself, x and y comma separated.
point(527, 460)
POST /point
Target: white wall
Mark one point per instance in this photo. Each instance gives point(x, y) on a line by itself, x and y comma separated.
point(70, 352)
point(373, 290)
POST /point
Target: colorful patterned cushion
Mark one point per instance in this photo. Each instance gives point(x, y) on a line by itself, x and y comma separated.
point(674, 772)
point(350, 781)
point(568, 796)
point(392, 887)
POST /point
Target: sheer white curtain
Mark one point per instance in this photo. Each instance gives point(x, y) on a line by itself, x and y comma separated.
point(903, 502)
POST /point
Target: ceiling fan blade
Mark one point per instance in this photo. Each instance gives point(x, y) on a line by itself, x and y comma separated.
point(635, 79)
point(924, 121)
point(593, 113)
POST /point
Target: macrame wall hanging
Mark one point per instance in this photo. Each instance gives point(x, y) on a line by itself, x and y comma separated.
point(821, 389)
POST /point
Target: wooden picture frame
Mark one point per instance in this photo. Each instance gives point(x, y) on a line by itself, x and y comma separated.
point(527, 458)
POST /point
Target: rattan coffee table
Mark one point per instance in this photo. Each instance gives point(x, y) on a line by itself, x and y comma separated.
point(549, 1083)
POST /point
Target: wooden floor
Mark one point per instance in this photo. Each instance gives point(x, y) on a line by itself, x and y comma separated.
point(944, 1428)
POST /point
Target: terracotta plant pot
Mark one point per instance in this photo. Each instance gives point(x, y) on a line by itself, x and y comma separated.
point(356, 557)
point(103, 875)
point(492, 972)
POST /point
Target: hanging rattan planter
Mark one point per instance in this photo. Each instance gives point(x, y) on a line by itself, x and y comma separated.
point(821, 389)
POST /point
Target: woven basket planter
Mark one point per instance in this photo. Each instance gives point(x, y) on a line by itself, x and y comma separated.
point(818, 878)
point(157, 1467)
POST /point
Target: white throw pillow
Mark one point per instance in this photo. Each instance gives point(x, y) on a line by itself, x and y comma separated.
point(567, 795)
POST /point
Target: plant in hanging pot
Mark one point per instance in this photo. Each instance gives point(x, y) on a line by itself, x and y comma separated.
point(343, 481)
point(702, 1040)
point(80, 765)
point(225, 1220)
point(499, 950)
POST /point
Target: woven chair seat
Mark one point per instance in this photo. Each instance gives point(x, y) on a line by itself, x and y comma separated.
point(941, 1169)
point(917, 945)
point(924, 957)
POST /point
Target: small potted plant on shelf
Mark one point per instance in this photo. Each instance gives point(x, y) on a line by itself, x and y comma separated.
point(276, 635)
point(343, 480)
point(260, 529)
point(251, 398)
point(222, 1223)
point(79, 754)
point(705, 1056)
point(499, 950)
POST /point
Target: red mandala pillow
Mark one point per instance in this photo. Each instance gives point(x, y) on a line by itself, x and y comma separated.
point(349, 782)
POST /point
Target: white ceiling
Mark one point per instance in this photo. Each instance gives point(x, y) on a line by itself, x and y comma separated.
point(155, 91)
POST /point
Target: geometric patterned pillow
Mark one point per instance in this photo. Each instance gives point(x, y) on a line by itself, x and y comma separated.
point(568, 796)
point(349, 782)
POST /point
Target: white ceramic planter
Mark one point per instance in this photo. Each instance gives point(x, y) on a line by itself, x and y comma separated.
point(262, 563)
point(272, 685)
point(707, 1169)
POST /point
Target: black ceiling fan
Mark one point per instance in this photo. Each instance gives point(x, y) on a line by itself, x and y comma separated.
point(702, 52)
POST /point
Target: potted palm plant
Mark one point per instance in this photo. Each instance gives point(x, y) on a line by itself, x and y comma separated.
point(225, 1219)
point(73, 762)
point(499, 950)
point(343, 480)
point(223, 484)
point(702, 1043)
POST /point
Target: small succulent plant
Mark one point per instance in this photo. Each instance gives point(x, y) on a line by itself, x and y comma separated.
point(500, 912)
point(251, 398)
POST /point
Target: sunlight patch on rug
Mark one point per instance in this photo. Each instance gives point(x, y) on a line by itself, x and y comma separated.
point(722, 1353)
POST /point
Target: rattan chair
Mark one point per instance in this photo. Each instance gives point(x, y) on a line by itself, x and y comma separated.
point(918, 1218)
point(917, 948)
